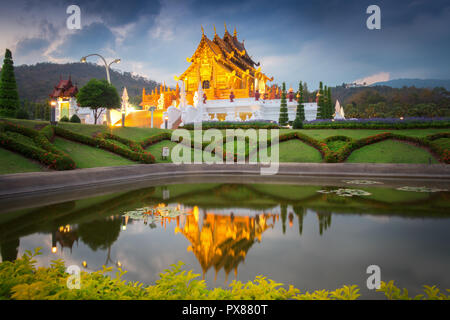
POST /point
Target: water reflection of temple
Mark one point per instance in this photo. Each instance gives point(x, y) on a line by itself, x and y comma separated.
point(66, 236)
point(222, 241)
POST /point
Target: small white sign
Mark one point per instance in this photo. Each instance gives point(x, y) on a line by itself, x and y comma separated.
point(165, 151)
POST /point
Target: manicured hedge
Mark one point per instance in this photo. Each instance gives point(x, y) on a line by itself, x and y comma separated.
point(439, 135)
point(156, 138)
point(378, 124)
point(134, 146)
point(144, 156)
point(45, 153)
point(234, 125)
point(52, 160)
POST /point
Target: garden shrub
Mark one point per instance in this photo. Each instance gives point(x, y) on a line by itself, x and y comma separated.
point(438, 135)
point(43, 151)
point(22, 114)
point(22, 280)
point(101, 142)
point(395, 123)
point(64, 119)
point(297, 124)
point(48, 132)
point(156, 138)
point(75, 119)
point(234, 125)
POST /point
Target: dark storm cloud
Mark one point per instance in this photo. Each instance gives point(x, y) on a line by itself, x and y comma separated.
point(94, 38)
point(116, 13)
point(312, 40)
point(26, 46)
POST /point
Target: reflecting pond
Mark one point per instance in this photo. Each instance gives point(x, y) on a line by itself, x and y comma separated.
point(313, 237)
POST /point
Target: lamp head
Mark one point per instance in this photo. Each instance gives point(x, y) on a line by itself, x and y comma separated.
point(83, 60)
point(117, 61)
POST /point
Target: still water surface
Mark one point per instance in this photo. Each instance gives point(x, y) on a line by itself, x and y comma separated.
point(313, 237)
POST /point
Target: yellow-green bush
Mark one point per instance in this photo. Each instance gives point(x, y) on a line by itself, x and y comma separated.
point(21, 279)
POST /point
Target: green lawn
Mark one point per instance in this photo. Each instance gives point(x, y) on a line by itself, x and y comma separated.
point(297, 151)
point(11, 162)
point(156, 150)
point(321, 134)
point(33, 124)
point(131, 133)
point(391, 151)
point(90, 157)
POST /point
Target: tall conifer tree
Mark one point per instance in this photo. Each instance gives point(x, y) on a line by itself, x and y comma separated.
point(283, 120)
point(330, 104)
point(321, 109)
point(9, 97)
point(300, 115)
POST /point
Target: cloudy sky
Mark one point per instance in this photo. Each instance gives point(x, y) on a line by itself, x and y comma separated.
point(294, 40)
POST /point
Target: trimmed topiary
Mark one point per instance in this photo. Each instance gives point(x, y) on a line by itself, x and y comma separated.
point(75, 119)
point(64, 119)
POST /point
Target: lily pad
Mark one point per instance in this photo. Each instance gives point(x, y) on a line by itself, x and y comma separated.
point(420, 189)
point(362, 182)
point(346, 192)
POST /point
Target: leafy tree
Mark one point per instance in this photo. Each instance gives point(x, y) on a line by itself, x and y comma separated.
point(283, 120)
point(99, 96)
point(9, 97)
point(300, 115)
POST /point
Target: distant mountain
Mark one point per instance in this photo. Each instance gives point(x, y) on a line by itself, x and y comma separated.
point(418, 83)
point(35, 82)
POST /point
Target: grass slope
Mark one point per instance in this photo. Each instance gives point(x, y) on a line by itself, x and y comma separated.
point(11, 162)
point(391, 151)
point(297, 151)
point(131, 133)
point(89, 157)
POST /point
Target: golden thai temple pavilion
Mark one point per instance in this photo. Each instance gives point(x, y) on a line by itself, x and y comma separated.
point(222, 65)
point(222, 83)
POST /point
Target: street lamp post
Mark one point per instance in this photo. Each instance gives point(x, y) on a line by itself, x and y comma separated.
point(53, 115)
point(152, 108)
point(107, 65)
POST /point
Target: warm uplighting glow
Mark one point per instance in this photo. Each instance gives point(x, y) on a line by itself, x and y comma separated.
point(84, 264)
point(119, 264)
point(401, 118)
point(54, 249)
point(53, 103)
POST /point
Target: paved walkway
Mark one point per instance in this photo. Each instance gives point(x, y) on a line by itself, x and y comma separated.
point(20, 184)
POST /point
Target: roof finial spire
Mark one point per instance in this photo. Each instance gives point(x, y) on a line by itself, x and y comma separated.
point(215, 33)
point(235, 33)
point(203, 31)
point(225, 24)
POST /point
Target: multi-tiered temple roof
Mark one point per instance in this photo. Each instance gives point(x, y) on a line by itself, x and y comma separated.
point(64, 89)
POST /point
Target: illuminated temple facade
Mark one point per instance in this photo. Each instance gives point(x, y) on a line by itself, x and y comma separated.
point(222, 83)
